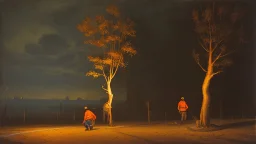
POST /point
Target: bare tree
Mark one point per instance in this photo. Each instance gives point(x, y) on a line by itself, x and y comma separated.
point(215, 25)
point(112, 35)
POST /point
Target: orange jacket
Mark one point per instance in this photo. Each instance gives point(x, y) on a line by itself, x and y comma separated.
point(182, 106)
point(89, 115)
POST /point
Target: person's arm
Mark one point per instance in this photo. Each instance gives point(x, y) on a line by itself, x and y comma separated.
point(179, 106)
point(94, 116)
point(84, 117)
point(186, 106)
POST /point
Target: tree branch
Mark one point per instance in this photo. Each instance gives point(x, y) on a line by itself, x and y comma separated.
point(112, 64)
point(104, 74)
point(110, 72)
point(197, 60)
point(117, 66)
point(201, 67)
point(104, 89)
point(111, 67)
point(216, 73)
point(227, 54)
point(218, 57)
point(216, 45)
point(203, 47)
point(115, 71)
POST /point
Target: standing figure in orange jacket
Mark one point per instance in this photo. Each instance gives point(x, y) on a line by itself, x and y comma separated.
point(89, 118)
point(182, 107)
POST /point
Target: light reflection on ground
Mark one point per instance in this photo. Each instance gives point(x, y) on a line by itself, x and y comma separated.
point(125, 133)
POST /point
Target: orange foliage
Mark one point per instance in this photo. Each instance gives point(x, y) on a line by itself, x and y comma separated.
point(113, 10)
point(86, 27)
point(127, 48)
point(115, 55)
point(108, 61)
point(111, 35)
point(112, 38)
point(96, 60)
point(98, 66)
point(93, 74)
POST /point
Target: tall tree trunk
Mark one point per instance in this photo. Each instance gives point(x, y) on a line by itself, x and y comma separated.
point(110, 98)
point(205, 114)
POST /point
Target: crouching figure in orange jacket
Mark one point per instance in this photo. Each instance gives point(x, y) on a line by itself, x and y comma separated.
point(182, 107)
point(89, 118)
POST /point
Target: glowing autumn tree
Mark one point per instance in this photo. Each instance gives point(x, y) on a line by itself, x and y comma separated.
point(214, 25)
point(112, 35)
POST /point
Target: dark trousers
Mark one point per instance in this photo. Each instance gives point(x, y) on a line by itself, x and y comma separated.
point(88, 124)
point(183, 115)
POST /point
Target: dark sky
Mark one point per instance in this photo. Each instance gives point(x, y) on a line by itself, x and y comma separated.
point(45, 56)
point(44, 52)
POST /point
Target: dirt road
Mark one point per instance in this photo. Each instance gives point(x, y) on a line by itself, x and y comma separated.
point(143, 134)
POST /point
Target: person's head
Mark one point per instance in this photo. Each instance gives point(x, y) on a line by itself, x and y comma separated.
point(182, 98)
point(85, 108)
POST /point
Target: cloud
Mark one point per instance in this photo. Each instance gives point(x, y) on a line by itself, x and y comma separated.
point(26, 21)
point(16, 59)
point(48, 44)
point(23, 70)
point(48, 65)
point(34, 49)
point(45, 54)
point(48, 77)
point(67, 57)
point(19, 39)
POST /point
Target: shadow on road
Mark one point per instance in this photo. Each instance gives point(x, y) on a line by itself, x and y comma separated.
point(241, 141)
point(146, 140)
point(238, 124)
point(95, 128)
point(214, 127)
point(6, 141)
